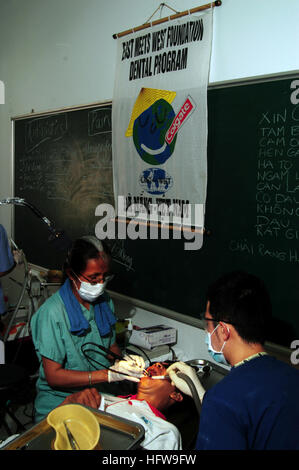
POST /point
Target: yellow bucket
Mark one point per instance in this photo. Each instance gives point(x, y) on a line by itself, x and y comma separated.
point(82, 424)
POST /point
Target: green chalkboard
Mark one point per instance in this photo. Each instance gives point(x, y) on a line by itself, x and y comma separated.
point(63, 166)
point(252, 204)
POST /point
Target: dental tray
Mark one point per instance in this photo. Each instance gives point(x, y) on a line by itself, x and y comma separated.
point(116, 434)
point(200, 365)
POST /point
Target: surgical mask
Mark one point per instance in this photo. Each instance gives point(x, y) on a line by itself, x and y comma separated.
point(90, 292)
point(218, 356)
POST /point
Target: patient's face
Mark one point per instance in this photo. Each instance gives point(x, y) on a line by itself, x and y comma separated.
point(156, 369)
point(160, 393)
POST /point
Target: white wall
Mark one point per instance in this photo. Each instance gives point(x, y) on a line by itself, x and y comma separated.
point(190, 339)
point(57, 53)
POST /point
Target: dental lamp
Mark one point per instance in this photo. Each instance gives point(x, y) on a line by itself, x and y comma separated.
point(57, 237)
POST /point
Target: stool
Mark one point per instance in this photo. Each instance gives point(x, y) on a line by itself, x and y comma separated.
point(12, 380)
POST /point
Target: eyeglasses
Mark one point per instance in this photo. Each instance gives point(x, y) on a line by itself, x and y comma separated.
point(211, 319)
point(106, 277)
point(206, 319)
point(202, 316)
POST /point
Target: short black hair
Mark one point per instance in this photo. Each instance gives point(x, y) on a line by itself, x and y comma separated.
point(81, 251)
point(241, 299)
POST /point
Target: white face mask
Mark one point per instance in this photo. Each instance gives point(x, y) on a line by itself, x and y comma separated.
point(90, 292)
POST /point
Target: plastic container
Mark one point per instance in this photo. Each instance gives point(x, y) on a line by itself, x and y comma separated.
point(81, 423)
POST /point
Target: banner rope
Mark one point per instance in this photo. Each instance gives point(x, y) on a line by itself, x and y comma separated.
point(217, 3)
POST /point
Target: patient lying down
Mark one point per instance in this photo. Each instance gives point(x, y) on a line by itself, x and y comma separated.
point(153, 397)
point(159, 393)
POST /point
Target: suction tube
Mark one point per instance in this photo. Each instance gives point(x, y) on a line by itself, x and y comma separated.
point(192, 389)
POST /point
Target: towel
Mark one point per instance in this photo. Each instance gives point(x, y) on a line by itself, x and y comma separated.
point(104, 316)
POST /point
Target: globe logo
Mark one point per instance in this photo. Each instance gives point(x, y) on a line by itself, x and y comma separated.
point(155, 181)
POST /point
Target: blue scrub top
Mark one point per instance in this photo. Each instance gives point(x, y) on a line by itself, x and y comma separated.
point(6, 262)
point(255, 407)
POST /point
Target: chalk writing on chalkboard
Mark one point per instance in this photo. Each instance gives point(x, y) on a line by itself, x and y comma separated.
point(40, 130)
point(99, 121)
point(277, 186)
point(63, 165)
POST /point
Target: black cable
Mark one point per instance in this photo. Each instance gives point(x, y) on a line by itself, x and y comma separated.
point(99, 363)
point(140, 349)
point(173, 353)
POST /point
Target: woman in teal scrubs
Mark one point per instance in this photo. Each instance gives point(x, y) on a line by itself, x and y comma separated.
point(80, 312)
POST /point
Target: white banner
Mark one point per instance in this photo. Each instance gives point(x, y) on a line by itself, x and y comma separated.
point(159, 118)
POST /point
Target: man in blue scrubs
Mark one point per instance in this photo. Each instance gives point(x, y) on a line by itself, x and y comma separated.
point(255, 406)
point(7, 263)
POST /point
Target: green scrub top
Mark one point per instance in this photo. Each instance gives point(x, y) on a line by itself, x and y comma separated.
point(52, 339)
